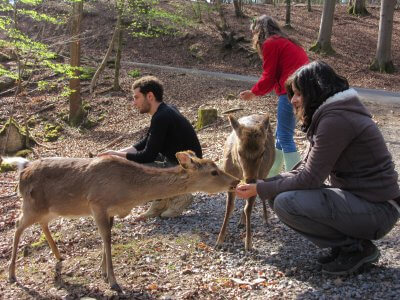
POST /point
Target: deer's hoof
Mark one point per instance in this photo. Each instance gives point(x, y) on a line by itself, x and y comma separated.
point(116, 287)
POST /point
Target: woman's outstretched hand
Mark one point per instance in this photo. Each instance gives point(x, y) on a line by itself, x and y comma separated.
point(246, 190)
point(247, 95)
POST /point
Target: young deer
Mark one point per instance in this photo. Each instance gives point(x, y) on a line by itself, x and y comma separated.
point(249, 154)
point(103, 188)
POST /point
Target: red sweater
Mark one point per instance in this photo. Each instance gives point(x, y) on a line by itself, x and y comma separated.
point(281, 58)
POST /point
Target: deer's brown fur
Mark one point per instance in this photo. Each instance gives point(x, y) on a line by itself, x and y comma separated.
point(248, 155)
point(103, 188)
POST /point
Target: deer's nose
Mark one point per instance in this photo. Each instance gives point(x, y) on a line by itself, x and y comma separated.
point(235, 183)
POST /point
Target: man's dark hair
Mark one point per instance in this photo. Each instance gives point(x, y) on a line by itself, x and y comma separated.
point(150, 84)
point(316, 81)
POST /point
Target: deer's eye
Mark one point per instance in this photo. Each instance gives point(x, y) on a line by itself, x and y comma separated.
point(214, 173)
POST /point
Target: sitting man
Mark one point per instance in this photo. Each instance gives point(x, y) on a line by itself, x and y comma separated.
point(169, 132)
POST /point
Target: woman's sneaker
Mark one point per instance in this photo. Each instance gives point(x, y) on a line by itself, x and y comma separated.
point(326, 259)
point(348, 262)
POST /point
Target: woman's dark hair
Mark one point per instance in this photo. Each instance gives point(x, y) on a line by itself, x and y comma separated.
point(316, 82)
point(264, 27)
point(150, 84)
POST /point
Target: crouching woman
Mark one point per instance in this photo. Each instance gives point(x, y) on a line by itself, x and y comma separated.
point(344, 193)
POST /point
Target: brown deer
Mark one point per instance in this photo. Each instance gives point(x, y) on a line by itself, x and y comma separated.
point(248, 155)
point(103, 188)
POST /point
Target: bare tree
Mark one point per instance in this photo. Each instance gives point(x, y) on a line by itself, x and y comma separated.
point(323, 43)
point(119, 36)
point(383, 59)
point(238, 4)
point(358, 8)
point(76, 113)
point(287, 19)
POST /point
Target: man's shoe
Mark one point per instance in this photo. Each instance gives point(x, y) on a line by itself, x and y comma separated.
point(350, 261)
point(326, 259)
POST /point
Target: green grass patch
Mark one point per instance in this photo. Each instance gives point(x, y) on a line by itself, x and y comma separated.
point(52, 132)
point(135, 73)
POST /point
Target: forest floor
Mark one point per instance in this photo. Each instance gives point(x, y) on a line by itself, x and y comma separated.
point(176, 258)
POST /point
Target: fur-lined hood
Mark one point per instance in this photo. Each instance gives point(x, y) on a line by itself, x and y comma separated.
point(347, 101)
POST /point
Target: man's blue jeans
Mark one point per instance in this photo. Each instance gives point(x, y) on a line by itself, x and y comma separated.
point(285, 125)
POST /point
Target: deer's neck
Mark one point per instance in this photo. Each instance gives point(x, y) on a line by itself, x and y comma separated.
point(165, 183)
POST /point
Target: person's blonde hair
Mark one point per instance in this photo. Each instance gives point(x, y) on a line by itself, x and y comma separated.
point(264, 27)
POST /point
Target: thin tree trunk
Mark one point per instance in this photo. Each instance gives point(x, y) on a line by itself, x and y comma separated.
point(309, 5)
point(120, 8)
point(238, 8)
point(75, 101)
point(223, 26)
point(104, 61)
point(383, 59)
point(287, 19)
point(323, 43)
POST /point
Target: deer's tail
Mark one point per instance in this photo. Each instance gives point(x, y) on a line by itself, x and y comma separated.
point(20, 162)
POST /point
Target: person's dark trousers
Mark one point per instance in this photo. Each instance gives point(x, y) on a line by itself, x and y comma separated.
point(332, 217)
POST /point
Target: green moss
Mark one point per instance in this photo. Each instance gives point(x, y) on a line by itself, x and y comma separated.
point(4, 167)
point(322, 49)
point(42, 240)
point(23, 152)
point(205, 117)
point(52, 132)
point(87, 73)
point(134, 73)
point(86, 105)
point(32, 122)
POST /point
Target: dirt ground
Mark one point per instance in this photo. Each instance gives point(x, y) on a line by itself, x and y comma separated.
point(175, 258)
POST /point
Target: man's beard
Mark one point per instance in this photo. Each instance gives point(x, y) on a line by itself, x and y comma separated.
point(145, 107)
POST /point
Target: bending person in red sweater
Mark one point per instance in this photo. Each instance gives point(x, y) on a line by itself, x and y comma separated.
point(281, 57)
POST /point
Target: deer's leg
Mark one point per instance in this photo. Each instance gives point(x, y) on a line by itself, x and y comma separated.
point(230, 205)
point(247, 211)
point(103, 224)
point(23, 223)
point(103, 264)
point(265, 211)
point(241, 220)
point(50, 240)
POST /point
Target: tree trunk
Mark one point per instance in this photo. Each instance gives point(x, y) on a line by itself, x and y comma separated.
point(287, 19)
point(383, 59)
point(223, 25)
point(75, 101)
point(358, 8)
point(323, 44)
point(104, 61)
point(309, 5)
point(120, 9)
point(238, 8)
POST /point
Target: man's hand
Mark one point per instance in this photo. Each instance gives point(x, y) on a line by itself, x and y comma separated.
point(246, 190)
point(247, 95)
point(112, 152)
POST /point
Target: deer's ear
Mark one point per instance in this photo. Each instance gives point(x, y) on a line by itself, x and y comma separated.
point(265, 123)
point(185, 159)
point(234, 122)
